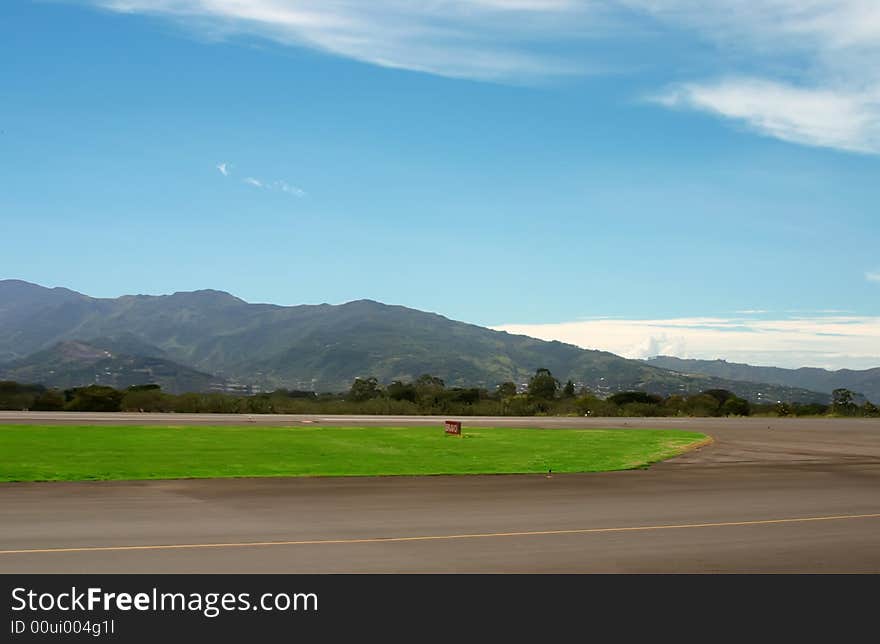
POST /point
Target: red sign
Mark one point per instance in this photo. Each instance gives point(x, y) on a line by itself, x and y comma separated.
point(453, 427)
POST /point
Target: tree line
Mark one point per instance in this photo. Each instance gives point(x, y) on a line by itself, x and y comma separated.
point(544, 395)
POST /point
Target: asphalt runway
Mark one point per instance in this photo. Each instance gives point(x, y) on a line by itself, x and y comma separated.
point(770, 495)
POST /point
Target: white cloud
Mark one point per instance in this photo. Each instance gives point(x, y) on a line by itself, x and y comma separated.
point(283, 186)
point(803, 71)
point(459, 38)
point(224, 169)
point(819, 60)
point(832, 342)
point(873, 277)
point(810, 116)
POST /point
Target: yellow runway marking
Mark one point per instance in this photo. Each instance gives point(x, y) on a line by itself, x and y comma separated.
point(443, 537)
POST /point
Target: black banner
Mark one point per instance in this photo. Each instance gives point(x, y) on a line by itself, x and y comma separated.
point(133, 608)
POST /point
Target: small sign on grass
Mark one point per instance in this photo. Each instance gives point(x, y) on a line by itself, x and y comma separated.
point(453, 427)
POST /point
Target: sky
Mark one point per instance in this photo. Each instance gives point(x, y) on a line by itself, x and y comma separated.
point(641, 176)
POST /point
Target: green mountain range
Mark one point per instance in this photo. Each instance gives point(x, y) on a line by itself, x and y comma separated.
point(321, 347)
point(72, 364)
point(865, 382)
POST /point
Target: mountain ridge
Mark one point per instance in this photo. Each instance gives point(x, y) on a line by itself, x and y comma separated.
point(864, 381)
point(74, 363)
point(324, 346)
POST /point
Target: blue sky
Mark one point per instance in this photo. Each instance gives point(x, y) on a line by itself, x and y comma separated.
point(505, 162)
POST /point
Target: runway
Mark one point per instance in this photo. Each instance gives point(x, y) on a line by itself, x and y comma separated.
point(771, 495)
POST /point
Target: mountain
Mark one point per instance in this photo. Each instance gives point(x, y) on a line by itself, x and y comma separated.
point(72, 364)
point(865, 382)
point(21, 301)
point(322, 346)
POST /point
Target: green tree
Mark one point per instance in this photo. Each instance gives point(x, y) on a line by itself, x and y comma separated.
point(590, 405)
point(642, 397)
point(721, 395)
point(428, 382)
point(146, 399)
point(736, 406)
point(260, 404)
point(506, 390)
point(466, 396)
point(50, 400)
point(568, 390)
point(702, 405)
point(149, 387)
point(842, 402)
point(675, 404)
point(93, 398)
point(398, 390)
point(810, 409)
point(16, 396)
point(364, 389)
point(783, 409)
point(429, 390)
point(543, 386)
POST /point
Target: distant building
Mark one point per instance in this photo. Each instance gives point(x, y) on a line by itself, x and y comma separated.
point(237, 388)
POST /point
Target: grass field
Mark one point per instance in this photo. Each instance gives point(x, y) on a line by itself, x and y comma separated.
point(54, 453)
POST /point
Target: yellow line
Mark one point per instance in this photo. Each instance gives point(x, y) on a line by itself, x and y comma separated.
point(442, 537)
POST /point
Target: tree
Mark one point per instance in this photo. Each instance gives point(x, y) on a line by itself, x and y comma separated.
point(590, 405)
point(50, 400)
point(364, 389)
point(721, 395)
point(641, 397)
point(427, 381)
point(429, 389)
point(149, 387)
point(466, 396)
point(783, 409)
point(398, 390)
point(676, 404)
point(568, 390)
point(809, 409)
point(506, 390)
point(736, 407)
point(543, 386)
point(146, 398)
point(842, 401)
point(93, 398)
point(18, 396)
point(702, 405)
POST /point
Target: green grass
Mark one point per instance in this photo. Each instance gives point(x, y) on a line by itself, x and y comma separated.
point(54, 453)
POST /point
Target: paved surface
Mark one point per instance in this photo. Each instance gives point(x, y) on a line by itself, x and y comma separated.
point(770, 495)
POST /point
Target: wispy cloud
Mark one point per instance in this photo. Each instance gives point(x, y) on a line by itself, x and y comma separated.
point(281, 186)
point(802, 71)
point(873, 276)
point(820, 64)
point(484, 39)
point(832, 342)
point(811, 116)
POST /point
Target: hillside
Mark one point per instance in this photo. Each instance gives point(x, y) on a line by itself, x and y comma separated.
point(323, 347)
point(72, 364)
point(865, 382)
